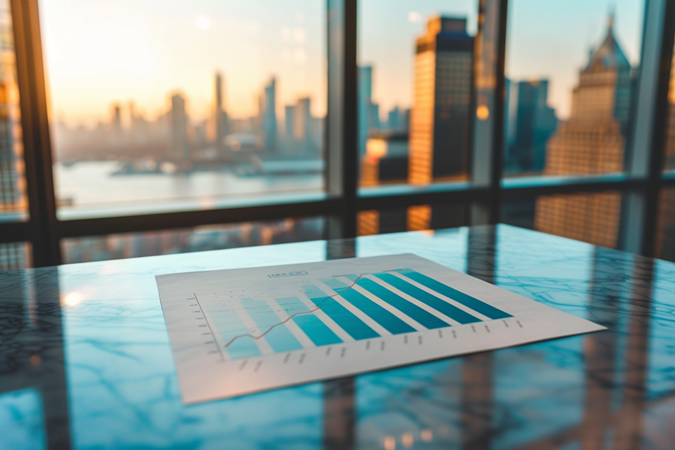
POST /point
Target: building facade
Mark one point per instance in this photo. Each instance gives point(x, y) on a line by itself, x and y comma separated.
point(533, 124)
point(180, 147)
point(592, 141)
point(665, 239)
point(441, 118)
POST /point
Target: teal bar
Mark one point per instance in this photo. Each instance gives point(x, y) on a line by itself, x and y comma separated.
point(389, 321)
point(458, 296)
point(341, 315)
point(418, 294)
point(317, 331)
point(413, 311)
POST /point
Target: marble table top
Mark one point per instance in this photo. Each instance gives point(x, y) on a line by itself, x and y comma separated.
point(85, 360)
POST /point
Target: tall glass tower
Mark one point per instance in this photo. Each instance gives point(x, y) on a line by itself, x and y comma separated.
point(440, 122)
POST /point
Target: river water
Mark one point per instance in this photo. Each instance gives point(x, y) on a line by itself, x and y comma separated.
point(88, 189)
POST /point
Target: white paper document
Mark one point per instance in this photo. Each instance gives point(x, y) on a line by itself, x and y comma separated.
point(236, 332)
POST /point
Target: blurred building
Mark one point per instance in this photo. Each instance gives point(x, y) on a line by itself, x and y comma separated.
point(386, 158)
point(180, 148)
point(268, 117)
point(413, 218)
point(302, 122)
point(665, 238)
point(117, 118)
point(590, 142)
point(12, 185)
point(302, 131)
point(219, 120)
point(365, 106)
point(397, 119)
point(532, 125)
point(9, 164)
point(440, 123)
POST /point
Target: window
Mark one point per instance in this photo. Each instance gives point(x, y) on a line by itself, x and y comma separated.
point(670, 126)
point(413, 218)
point(415, 91)
point(590, 217)
point(15, 256)
point(13, 200)
point(182, 106)
point(209, 237)
point(369, 116)
point(569, 93)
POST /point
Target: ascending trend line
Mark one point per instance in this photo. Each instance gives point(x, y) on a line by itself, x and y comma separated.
point(318, 306)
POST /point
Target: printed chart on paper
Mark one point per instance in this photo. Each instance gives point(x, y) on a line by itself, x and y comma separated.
point(236, 332)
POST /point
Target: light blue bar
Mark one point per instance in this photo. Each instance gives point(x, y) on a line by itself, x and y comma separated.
point(317, 331)
point(279, 337)
point(336, 285)
point(458, 296)
point(341, 315)
point(230, 325)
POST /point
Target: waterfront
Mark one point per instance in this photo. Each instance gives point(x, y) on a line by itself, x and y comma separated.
point(89, 189)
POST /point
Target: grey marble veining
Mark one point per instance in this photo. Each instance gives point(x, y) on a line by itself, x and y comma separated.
point(85, 360)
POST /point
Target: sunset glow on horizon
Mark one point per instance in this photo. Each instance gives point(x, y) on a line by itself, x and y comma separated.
point(100, 52)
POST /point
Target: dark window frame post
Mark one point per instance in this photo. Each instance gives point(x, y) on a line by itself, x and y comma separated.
point(489, 92)
point(646, 157)
point(35, 132)
point(342, 119)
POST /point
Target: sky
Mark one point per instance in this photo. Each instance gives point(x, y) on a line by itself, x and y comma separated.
point(104, 51)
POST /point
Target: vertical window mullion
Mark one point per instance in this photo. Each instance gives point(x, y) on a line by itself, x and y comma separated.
point(489, 63)
point(647, 149)
point(35, 132)
point(342, 120)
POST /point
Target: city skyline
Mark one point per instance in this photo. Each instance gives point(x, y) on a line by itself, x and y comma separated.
point(140, 53)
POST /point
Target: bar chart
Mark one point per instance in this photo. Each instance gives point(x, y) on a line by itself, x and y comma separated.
point(253, 322)
point(236, 332)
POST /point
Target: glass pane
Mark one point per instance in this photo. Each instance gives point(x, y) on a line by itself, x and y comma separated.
point(570, 70)
point(203, 238)
point(15, 256)
point(13, 200)
point(665, 233)
point(184, 105)
point(670, 124)
point(587, 217)
point(415, 84)
point(413, 218)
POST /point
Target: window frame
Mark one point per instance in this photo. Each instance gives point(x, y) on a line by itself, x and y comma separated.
point(642, 182)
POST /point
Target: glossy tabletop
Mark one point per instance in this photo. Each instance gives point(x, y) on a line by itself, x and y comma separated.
point(85, 360)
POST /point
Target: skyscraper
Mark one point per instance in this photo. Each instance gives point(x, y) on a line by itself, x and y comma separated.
point(365, 106)
point(440, 123)
point(117, 117)
point(590, 142)
point(665, 238)
point(9, 175)
point(289, 138)
point(534, 123)
point(220, 125)
point(394, 121)
point(180, 148)
point(269, 117)
point(302, 125)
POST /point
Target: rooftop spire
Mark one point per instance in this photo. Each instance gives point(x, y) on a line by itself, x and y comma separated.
point(611, 16)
